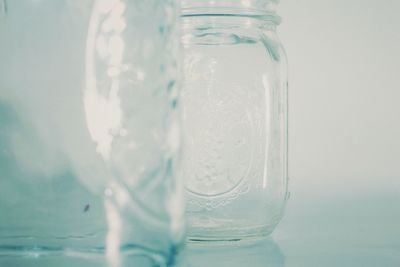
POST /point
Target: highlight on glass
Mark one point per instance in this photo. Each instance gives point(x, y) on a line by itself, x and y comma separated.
point(90, 132)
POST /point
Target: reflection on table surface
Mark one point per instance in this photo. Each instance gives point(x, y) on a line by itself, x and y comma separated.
point(350, 231)
point(262, 253)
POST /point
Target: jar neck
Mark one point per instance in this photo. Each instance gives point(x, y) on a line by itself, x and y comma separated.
point(261, 9)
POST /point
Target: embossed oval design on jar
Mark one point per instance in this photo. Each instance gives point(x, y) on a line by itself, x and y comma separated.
point(220, 142)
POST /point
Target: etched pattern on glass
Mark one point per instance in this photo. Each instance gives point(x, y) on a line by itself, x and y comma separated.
point(223, 148)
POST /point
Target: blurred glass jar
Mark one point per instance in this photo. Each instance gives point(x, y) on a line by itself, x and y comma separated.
point(88, 162)
point(235, 116)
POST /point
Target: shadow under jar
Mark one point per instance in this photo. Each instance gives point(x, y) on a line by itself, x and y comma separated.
point(235, 115)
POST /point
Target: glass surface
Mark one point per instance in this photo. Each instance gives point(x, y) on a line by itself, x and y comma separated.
point(90, 129)
point(329, 233)
point(261, 253)
point(235, 115)
point(356, 230)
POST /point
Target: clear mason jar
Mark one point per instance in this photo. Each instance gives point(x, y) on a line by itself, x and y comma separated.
point(90, 129)
point(235, 115)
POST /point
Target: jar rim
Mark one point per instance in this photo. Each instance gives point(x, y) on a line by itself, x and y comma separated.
point(261, 9)
point(203, 12)
point(260, 5)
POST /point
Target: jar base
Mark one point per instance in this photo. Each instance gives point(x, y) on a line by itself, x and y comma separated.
point(229, 234)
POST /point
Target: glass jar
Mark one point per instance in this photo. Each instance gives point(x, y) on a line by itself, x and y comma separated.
point(88, 155)
point(235, 115)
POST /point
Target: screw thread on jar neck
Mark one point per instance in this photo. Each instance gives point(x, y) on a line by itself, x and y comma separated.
point(263, 9)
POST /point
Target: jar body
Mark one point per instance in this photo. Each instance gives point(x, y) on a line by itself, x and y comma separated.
point(89, 133)
point(235, 115)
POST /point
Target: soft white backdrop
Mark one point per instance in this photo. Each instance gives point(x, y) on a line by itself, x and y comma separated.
point(344, 80)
